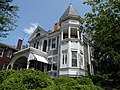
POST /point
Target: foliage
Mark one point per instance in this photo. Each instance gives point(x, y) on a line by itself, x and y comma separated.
point(84, 81)
point(4, 74)
point(103, 23)
point(78, 87)
point(8, 16)
point(27, 79)
point(37, 80)
point(66, 81)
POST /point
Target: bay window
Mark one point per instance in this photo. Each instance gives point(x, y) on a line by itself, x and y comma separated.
point(74, 58)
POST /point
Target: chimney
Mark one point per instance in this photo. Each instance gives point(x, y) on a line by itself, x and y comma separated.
point(19, 44)
point(56, 26)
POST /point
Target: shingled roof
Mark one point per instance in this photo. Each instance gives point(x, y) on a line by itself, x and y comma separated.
point(70, 11)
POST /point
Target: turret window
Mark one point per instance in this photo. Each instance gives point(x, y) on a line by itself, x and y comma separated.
point(65, 33)
point(74, 33)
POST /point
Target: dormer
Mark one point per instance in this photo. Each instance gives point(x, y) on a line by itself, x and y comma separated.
point(39, 32)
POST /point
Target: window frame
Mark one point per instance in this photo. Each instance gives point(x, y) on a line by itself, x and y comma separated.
point(8, 53)
point(51, 48)
point(74, 59)
point(64, 58)
point(53, 59)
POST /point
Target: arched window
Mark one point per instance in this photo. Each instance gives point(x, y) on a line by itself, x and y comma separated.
point(38, 34)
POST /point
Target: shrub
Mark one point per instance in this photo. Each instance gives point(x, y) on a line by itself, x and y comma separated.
point(98, 80)
point(84, 81)
point(27, 79)
point(5, 73)
point(66, 81)
point(87, 87)
point(79, 87)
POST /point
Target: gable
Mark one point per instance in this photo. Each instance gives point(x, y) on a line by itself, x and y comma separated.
point(38, 32)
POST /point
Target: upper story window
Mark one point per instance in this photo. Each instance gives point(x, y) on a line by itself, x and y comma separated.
point(73, 22)
point(36, 45)
point(38, 34)
point(74, 58)
point(1, 52)
point(53, 44)
point(64, 58)
point(65, 33)
point(9, 53)
point(74, 33)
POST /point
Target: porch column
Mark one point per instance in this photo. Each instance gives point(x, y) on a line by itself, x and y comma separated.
point(28, 64)
point(11, 66)
point(45, 67)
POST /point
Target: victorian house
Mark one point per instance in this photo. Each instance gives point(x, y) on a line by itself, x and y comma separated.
point(6, 54)
point(62, 52)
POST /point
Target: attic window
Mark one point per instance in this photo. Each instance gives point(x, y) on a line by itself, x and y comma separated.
point(38, 35)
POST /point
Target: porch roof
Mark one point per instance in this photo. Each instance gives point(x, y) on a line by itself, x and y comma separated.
point(37, 58)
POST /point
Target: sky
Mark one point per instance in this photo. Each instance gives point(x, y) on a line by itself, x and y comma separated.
point(43, 13)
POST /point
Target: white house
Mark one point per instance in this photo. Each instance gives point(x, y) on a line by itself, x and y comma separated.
point(62, 52)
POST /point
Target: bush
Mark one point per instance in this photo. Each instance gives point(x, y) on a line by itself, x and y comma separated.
point(98, 80)
point(5, 73)
point(27, 79)
point(66, 81)
point(79, 87)
point(84, 81)
point(87, 87)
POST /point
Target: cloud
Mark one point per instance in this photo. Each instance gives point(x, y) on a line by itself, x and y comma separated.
point(31, 29)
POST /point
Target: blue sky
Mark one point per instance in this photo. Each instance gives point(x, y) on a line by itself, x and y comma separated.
point(40, 12)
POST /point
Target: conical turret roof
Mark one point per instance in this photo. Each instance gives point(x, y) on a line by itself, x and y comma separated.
point(70, 11)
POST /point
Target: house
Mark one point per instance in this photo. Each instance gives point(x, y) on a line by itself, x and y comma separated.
point(6, 54)
point(63, 52)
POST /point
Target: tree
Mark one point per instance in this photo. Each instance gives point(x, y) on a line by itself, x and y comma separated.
point(8, 16)
point(104, 22)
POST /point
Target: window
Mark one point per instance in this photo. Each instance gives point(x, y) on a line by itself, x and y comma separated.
point(53, 61)
point(9, 53)
point(74, 58)
point(65, 33)
point(37, 45)
point(81, 60)
point(74, 33)
point(64, 58)
point(53, 46)
point(34, 45)
point(38, 35)
point(1, 52)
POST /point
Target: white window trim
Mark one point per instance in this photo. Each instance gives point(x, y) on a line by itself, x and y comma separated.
point(65, 61)
point(10, 55)
point(77, 58)
point(52, 62)
point(55, 43)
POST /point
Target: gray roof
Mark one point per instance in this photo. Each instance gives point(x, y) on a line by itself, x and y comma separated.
point(6, 45)
point(70, 11)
